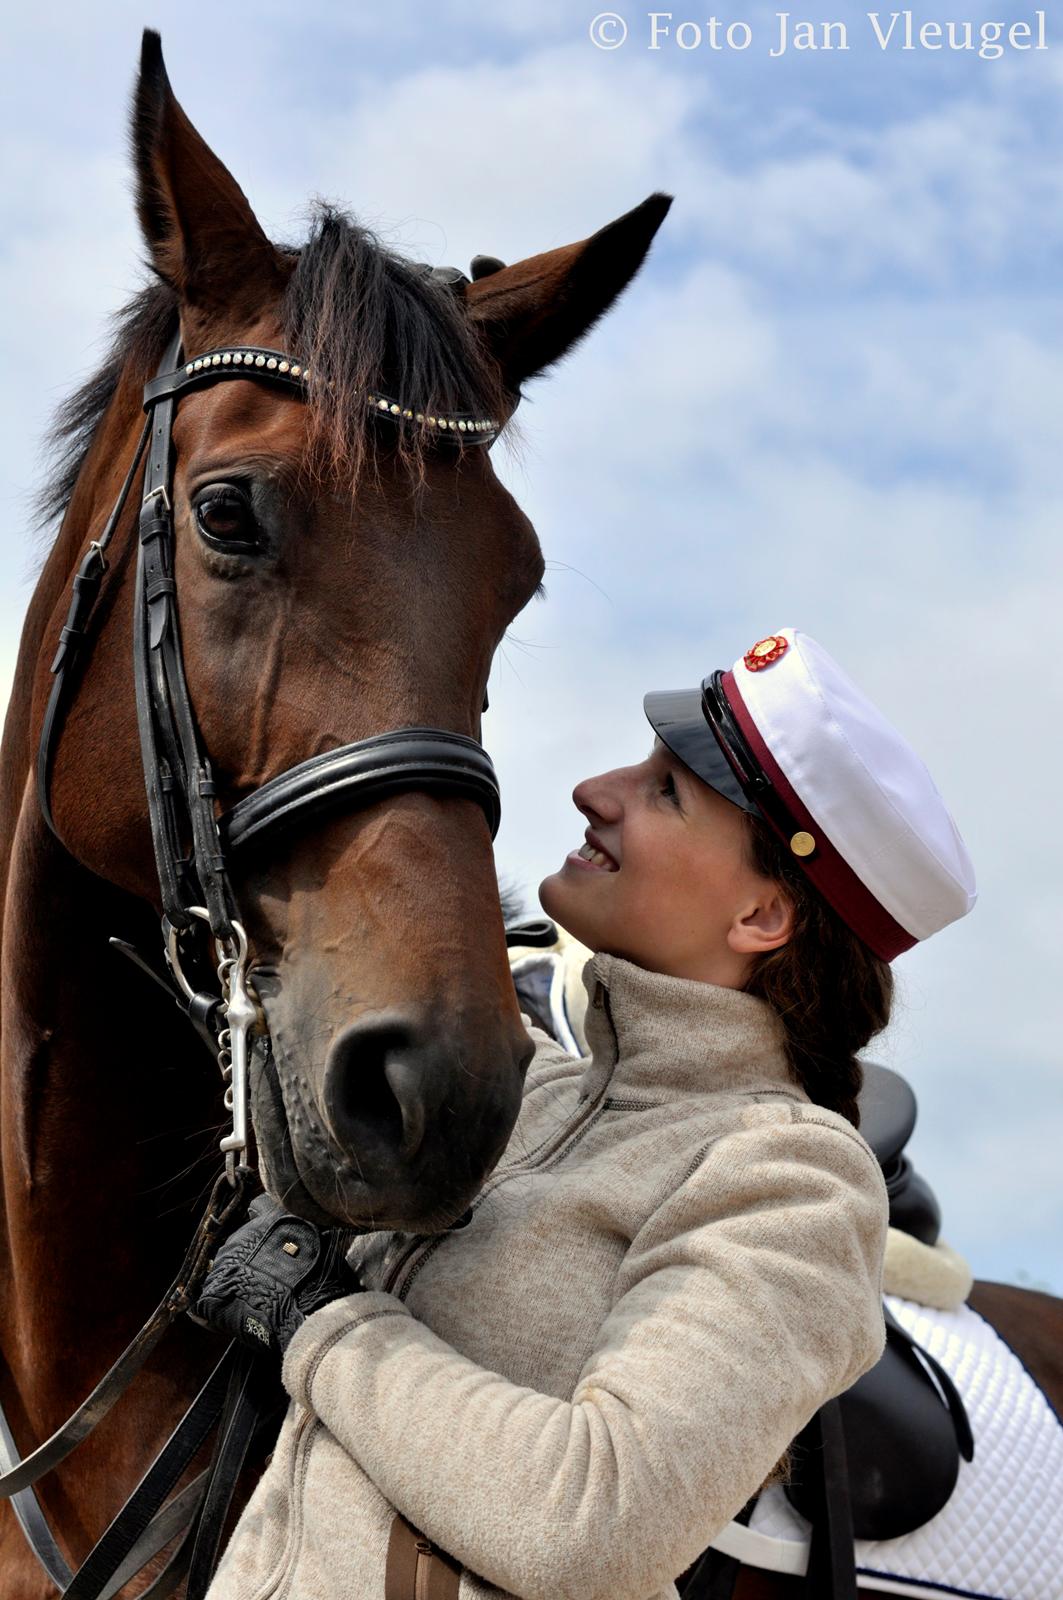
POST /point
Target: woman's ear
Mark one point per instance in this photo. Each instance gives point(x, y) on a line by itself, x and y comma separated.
point(765, 925)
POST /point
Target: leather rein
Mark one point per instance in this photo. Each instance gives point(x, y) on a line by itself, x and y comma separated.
point(196, 893)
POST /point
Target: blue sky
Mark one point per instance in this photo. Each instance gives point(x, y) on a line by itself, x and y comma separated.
point(831, 399)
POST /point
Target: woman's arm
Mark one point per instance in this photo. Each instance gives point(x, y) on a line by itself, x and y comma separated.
point(749, 1298)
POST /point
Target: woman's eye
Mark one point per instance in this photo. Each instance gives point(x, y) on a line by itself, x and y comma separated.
point(225, 519)
point(668, 788)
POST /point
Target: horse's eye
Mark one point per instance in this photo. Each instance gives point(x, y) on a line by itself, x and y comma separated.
point(225, 519)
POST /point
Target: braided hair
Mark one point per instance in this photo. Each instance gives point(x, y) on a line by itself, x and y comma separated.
point(832, 993)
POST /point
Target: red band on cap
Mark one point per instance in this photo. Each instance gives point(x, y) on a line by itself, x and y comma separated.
point(827, 869)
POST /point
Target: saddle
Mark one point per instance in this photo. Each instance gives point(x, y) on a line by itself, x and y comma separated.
point(904, 1430)
point(883, 1458)
point(887, 1120)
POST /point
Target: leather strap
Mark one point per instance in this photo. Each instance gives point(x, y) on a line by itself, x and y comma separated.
point(254, 1397)
point(178, 779)
point(537, 933)
point(86, 588)
point(216, 1220)
point(359, 774)
point(202, 1010)
point(416, 1568)
point(31, 1518)
point(914, 1352)
point(204, 369)
point(179, 1513)
point(259, 361)
point(187, 1438)
point(183, 1511)
point(831, 1573)
point(714, 1578)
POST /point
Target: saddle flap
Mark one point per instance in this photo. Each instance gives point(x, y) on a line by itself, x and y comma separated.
point(903, 1442)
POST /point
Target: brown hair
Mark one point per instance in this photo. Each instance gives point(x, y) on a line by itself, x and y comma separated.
point(829, 988)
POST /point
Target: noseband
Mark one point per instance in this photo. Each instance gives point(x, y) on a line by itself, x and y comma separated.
point(193, 845)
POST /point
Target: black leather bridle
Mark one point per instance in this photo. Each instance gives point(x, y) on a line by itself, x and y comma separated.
point(194, 848)
point(177, 771)
point(195, 883)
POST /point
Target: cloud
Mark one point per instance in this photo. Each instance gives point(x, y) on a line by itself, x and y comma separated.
point(957, 191)
point(510, 127)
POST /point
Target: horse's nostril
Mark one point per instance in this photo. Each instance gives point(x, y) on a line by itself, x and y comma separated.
point(374, 1090)
point(405, 1078)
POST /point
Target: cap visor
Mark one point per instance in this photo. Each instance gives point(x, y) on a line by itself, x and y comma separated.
point(677, 717)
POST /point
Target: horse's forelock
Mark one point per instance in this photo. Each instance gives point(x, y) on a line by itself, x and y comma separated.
point(365, 321)
point(358, 315)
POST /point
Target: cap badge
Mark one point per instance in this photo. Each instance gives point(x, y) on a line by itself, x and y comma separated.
point(766, 652)
point(803, 844)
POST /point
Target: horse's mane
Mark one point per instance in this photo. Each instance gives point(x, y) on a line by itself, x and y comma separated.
point(139, 333)
point(358, 315)
point(512, 898)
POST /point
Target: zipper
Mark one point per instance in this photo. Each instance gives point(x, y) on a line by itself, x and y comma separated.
point(414, 1257)
point(277, 1583)
point(409, 1264)
point(422, 1574)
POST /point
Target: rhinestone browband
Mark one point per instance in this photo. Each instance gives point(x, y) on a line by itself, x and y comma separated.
point(231, 362)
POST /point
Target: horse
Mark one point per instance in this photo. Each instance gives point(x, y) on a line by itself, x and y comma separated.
point(345, 561)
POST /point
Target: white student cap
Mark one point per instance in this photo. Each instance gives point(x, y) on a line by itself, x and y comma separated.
point(788, 736)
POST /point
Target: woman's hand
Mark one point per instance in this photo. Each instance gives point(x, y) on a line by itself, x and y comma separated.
point(271, 1274)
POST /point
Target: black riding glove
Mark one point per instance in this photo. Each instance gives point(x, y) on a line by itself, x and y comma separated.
point(271, 1274)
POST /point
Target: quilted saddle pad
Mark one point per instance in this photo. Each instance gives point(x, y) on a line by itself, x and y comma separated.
point(1001, 1535)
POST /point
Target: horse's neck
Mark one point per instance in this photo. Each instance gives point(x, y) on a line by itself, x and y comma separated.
point(110, 1107)
point(107, 1099)
point(94, 494)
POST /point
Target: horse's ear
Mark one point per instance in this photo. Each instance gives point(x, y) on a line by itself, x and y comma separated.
point(204, 238)
point(532, 312)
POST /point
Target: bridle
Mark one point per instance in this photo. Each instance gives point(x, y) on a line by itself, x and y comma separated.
point(195, 883)
point(194, 850)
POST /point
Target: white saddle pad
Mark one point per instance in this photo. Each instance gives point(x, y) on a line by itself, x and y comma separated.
point(1001, 1535)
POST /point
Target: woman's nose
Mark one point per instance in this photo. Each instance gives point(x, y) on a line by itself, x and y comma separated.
point(598, 797)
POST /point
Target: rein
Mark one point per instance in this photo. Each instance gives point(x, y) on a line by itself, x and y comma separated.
point(225, 1207)
point(194, 849)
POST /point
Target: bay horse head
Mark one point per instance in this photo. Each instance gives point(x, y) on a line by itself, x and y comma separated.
point(345, 561)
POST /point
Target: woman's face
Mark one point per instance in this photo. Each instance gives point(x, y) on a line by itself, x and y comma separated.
point(664, 878)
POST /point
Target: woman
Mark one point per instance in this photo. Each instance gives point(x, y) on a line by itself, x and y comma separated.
point(679, 1258)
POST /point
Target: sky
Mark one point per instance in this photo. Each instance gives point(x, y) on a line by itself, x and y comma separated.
point(830, 400)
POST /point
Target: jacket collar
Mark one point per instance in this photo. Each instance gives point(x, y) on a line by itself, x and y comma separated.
point(677, 1036)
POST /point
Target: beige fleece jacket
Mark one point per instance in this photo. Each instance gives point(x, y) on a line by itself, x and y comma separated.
point(677, 1261)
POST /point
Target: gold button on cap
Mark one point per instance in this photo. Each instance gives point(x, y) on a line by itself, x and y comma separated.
point(802, 844)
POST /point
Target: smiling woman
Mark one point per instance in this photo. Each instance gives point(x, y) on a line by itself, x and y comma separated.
point(689, 900)
point(678, 1260)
